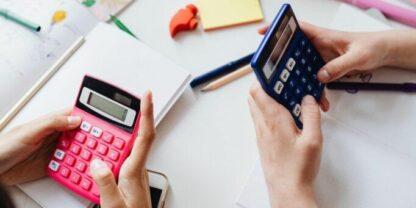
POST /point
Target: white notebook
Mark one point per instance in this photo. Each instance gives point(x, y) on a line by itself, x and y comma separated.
point(108, 54)
point(369, 146)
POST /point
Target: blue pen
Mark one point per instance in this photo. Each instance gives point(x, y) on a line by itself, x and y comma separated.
point(222, 70)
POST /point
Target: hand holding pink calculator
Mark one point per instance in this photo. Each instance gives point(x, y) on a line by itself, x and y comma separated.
point(110, 125)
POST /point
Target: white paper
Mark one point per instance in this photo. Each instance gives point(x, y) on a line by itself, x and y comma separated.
point(114, 56)
point(25, 55)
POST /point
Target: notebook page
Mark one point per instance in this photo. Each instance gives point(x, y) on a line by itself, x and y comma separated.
point(25, 55)
point(108, 54)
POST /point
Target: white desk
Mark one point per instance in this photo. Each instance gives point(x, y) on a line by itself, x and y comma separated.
point(206, 144)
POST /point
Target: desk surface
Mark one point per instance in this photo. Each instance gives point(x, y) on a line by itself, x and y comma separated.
point(206, 144)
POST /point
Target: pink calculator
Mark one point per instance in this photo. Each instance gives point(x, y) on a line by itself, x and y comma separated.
point(110, 123)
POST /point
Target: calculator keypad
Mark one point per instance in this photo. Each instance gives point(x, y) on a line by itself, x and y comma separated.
point(77, 149)
point(296, 75)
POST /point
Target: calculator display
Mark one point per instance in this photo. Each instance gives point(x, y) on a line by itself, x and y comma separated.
point(107, 106)
point(281, 39)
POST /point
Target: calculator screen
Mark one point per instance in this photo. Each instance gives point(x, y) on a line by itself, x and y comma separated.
point(107, 106)
point(280, 40)
point(109, 103)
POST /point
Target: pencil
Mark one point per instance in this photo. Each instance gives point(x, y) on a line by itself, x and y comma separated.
point(40, 83)
point(228, 78)
point(19, 20)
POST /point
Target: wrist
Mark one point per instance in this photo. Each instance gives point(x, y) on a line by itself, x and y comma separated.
point(292, 196)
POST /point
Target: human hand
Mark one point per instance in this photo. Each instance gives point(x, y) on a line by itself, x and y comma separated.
point(132, 189)
point(26, 149)
point(290, 157)
point(345, 52)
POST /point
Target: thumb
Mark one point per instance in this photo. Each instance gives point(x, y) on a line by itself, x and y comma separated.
point(109, 193)
point(338, 67)
point(311, 118)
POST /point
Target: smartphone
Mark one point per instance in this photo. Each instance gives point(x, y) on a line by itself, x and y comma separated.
point(159, 187)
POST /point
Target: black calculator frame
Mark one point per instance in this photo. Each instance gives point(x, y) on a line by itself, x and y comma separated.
point(265, 49)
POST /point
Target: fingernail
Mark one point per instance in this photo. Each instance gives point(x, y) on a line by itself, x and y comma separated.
point(309, 100)
point(74, 120)
point(323, 75)
point(97, 166)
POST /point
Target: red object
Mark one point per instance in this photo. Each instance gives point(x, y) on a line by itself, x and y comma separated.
point(184, 20)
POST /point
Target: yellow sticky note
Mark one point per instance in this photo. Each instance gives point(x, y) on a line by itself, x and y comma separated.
point(224, 13)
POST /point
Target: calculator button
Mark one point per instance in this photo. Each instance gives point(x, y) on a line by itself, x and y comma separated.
point(113, 155)
point(284, 75)
point(302, 43)
point(102, 149)
point(85, 126)
point(91, 143)
point(298, 92)
point(86, 155)
point(278, 87)
point(119, 143)
point(75, 149)
point(290, 64)
point(297, 72)
point(296, 110)
point(285, 96)
point(65, 172)
point(309, 50)
point(85, 184)
point(53, 165)
point(80, 166)
point(304, 80)
point(309, 69)
point(69, 160)
point(95, 191)
point(303, 61)
point(96, 157)
point(297, 53)
point(64, 143)
point(96, 132)
point(292, 83)
point(309, 88)
point(59, 154)
point(80, 137)
point(75, 178)
point(107, 137)
point(292, 104)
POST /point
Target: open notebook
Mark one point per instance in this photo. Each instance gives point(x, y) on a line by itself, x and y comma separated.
point(369, 140)
point(109, 54)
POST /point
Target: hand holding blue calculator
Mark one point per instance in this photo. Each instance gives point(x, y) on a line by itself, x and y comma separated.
point(286, 64)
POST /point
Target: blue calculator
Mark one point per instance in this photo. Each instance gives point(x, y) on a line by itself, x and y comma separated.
point(286, 64)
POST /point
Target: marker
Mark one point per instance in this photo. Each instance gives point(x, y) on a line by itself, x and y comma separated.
point(19, 20)
point(400, 87)
point(122, 26)
point(222, 70)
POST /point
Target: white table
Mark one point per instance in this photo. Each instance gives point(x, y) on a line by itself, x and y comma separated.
point(206, 144)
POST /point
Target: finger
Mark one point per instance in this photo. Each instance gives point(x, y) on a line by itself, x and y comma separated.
point(263, 30)
point(254, 111)
point(311, 31)
point(110, 195)
point(338, 67)
point(144, 141)
point(42, 127)
point(269, 107)
point(311, 117)
point(324, 103)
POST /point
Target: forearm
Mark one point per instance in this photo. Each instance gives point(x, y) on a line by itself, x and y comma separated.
point(402, 49)
point(291, 197)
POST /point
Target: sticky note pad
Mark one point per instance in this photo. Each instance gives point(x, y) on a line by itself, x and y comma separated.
point(225, 13)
